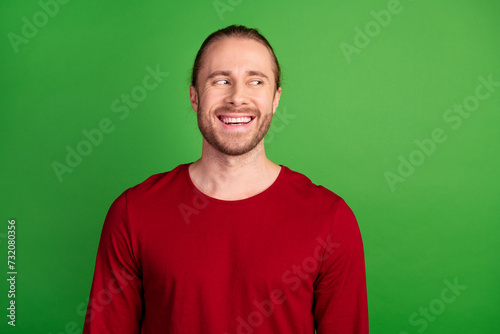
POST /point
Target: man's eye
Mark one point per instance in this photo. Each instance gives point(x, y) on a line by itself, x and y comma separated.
point(256, 82)
point(222, 82)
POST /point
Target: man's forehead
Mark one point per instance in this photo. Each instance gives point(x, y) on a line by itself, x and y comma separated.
point(243, 52)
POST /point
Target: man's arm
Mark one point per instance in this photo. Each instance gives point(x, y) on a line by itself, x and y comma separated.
point(340, 301)
point(115, 304)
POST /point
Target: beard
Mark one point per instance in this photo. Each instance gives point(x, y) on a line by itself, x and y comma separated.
point(234, 143)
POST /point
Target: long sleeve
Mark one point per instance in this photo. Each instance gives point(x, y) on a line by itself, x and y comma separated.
point(340, 298)
point(116, 302)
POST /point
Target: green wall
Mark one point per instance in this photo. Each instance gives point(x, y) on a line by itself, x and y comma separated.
point(385, 103)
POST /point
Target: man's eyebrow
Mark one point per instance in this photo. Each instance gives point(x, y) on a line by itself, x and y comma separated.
point(257, 73)
point(227, 73)
point(216, 73)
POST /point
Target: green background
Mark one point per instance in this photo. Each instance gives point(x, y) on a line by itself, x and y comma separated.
point(346, 120)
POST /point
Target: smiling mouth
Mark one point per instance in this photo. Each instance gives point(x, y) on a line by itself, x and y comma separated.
point(235, 120)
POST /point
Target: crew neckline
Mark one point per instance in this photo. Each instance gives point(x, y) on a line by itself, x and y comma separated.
point(255, 197)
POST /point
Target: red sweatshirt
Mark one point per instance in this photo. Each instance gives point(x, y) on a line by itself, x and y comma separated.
point(173, 260)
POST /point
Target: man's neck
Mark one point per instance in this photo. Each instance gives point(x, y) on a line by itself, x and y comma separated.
point(232, 178)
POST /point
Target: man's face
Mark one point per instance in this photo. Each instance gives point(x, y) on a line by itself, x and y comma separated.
point(235, 98)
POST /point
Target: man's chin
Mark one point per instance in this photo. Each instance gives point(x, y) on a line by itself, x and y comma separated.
point(232, 150)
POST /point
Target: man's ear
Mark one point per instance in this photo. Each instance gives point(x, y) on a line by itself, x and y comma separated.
point(276, 100)
point(193, 96)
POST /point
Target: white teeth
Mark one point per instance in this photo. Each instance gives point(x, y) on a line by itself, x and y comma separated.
point(230, 120)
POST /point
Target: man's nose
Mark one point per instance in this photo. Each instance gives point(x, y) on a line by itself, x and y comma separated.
point(237, 95)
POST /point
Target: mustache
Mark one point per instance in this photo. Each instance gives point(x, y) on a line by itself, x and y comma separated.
point(244, 110)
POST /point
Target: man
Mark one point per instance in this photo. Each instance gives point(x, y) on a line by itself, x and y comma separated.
point(231, 243)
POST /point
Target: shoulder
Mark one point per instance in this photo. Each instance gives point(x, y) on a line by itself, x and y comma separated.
point(155, 184)
point(160, 178)
point(320, 204)
point(302, 186)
